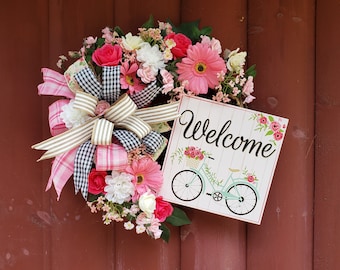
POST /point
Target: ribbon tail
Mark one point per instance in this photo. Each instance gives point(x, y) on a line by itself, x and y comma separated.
point(82, 167)
point(61, 171)
point(159, 114)
point(66, 141)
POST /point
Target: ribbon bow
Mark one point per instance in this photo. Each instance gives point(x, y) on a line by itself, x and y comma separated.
point(125, 114)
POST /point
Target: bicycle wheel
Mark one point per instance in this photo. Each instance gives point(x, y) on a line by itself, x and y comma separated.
point(187, 185)
point(243, 199)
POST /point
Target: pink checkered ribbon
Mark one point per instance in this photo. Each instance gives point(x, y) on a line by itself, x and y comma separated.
point(54, 84)
point(61, 171)
point(57, 125)
point(111, 157)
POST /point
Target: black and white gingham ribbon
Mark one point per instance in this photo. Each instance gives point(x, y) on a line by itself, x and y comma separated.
point(144, 97)
point(82, 167)
point(130, 141)
point(88, 82)
point(152, 141)
point(111, 84)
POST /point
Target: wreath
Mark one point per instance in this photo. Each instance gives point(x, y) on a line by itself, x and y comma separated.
point(118, 99)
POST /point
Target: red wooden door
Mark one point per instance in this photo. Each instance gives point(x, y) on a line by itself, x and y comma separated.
point(295, 47)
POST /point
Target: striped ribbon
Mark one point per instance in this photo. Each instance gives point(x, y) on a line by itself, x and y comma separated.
point(123, 113)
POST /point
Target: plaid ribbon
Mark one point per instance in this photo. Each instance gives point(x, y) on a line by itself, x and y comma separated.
point(111, 84)
point(88, 82)
point(82, 167)
point(144, 97)
point(54, 84)
point(57, 125)
point(152, 141)
point(61, 171)
point(130, 141)
point(111, 157)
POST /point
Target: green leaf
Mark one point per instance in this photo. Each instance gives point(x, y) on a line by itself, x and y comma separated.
point(119, 31)
point(165, 233)
point(149, 23)
point(271, 118)
point(251, 71)
point(270, 132)
point(178, 218)
point(191, 30)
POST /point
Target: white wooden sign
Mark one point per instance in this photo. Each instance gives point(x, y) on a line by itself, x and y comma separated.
point(221, 158)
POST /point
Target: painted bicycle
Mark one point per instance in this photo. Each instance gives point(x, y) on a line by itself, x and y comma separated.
point(240, 196)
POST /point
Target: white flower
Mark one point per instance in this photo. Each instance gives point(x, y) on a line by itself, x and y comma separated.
point(128, 225)
point(130, 42)
point(73, 117)
point(236, 60)
point(151, 57)
point(119, 187)
point(140, 229)
point(147, 203)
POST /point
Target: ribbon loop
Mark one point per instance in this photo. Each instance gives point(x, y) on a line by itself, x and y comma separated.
point(121, 109)
point(102, 132)
point(85, 102)
point(88, 82)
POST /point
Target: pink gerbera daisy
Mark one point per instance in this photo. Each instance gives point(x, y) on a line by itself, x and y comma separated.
point(201, 68)
point(128, 79)
point(146, 174)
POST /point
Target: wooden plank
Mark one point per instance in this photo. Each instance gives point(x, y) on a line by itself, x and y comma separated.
point(281, 43)
point(211, 241)
point(78, 239)
point(147, 253)
point(22, 226)
point(327, 200)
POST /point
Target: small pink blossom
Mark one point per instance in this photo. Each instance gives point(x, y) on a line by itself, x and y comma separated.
point(107, 35)
point(89, 41)
point(248, 88)
point(146, 74)
point(101, 107)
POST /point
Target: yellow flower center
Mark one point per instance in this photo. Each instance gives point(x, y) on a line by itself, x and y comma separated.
point(140, 179)
point(129, 79)
point(200, 67)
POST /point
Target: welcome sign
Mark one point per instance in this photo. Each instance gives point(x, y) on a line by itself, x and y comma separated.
point(221, 158)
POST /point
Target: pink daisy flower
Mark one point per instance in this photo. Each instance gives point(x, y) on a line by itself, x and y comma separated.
point(201, 68)
point(146, 174)
point(128, 79)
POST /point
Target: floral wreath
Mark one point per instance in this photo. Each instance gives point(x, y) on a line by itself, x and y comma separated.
point(117, 99)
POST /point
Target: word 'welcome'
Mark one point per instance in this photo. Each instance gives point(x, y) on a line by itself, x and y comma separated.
point(222, 137)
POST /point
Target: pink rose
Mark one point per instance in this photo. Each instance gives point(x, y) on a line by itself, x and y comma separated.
point(97, 181)
point(251, 178)
point(163, 209)
point(263, 120)
point(275, 126)
point(182, 44)
point(101, 107)
point(278, 135)
point(108, 55)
